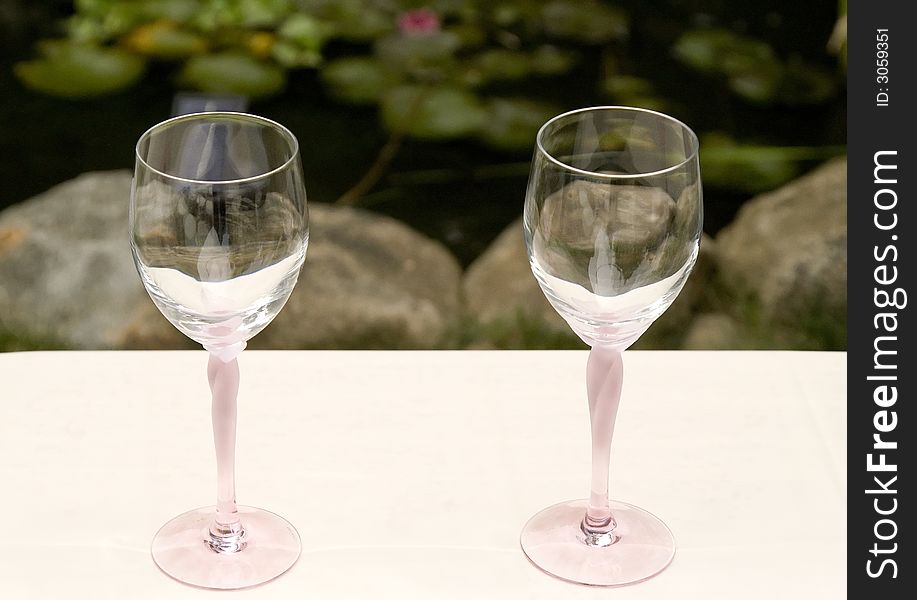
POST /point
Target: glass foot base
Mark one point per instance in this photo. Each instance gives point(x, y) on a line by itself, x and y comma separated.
point(554, 542)
point(182, 550)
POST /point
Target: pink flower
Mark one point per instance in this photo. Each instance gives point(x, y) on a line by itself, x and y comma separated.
point(418, 22)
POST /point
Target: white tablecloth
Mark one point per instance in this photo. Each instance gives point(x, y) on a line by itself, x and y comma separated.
point(410, 474)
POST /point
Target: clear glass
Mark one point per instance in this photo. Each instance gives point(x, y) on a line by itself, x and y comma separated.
point(218, 231)
point(613, 219)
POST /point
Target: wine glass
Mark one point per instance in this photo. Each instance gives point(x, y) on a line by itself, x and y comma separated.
point(612, 227)
point(218, 231)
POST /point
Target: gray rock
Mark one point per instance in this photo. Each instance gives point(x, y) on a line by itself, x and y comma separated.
point(633, 219)
point(505, 306)
point(369, 282)
point(716, 331)
point(638, 216)
point(670, 329)
point(67, 279)
point(66, 274)
point(507, 309)
point(783, 262)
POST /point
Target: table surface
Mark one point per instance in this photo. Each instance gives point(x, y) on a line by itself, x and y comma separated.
point(410, 474)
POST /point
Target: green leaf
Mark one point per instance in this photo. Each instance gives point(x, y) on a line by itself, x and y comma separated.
point(77, 71)
point(358, 80)
point(511, 14)
point(462, 10)
point(751, 68)
point(505, 15)
point(305, 31)
point(122, 17)
point(85, 30)
point(418, 53)
point(353, 20)
point(243, 14)
point(633, 91)
point(233, 73)
point(93, 7)
point(365, 25)
point(551, 60)
point(292, 56)
point(703, 49)
point(500, 64)
point(262, 13)
point(178, 11)
point(112, 17)
point(513, 122)
point(755, 87)
point(651, 103)
point(162, 39)
point(584, 20)
point(626, 86)
point(432, 112)
point(745, 168)
point(470, 35)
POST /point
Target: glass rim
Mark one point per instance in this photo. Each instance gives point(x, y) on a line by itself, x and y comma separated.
point(252, 118)
point(695, 144)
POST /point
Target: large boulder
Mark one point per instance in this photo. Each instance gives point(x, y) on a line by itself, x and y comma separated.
point(369, 282)
point(782, 264)
point(507, 309)
point(66, 275)
point(718, 331)
point(669, 331)
point(67, 279)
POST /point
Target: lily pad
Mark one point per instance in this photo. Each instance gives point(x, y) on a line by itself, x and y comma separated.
point(588, 21)
point(112, 17)
point(513, 122)
point(551, 60)
point(506, 14)
point(292, 56)
point(175, 10)
point(242, 14)
point(85, 30)
point(245, 14)
point(501, 64)
point(353, 20)
point(745, 168)
point(470, 35)
point(418, 53)
point(261, 13)
point(626, 86)
point(755, 87)
point(432, 112)
point(633, 91)
point(305, 31)
point(703, 49)
point(164, 39)
point(358, 80)
point(300, 40)
point(80, 71)
point(752, 69)
point(232, 73)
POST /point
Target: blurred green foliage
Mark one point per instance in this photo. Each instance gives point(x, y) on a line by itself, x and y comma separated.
point(437, 69)
point(755, 168)
point(73, 70)
point(752, 69)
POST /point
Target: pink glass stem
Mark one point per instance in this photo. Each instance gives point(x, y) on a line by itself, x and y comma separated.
point(226, 532)
point(604, 377)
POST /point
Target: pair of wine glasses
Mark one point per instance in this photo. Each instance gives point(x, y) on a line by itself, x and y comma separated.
point(219, 230)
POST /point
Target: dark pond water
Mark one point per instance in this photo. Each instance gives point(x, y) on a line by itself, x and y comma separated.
point(459, 192)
